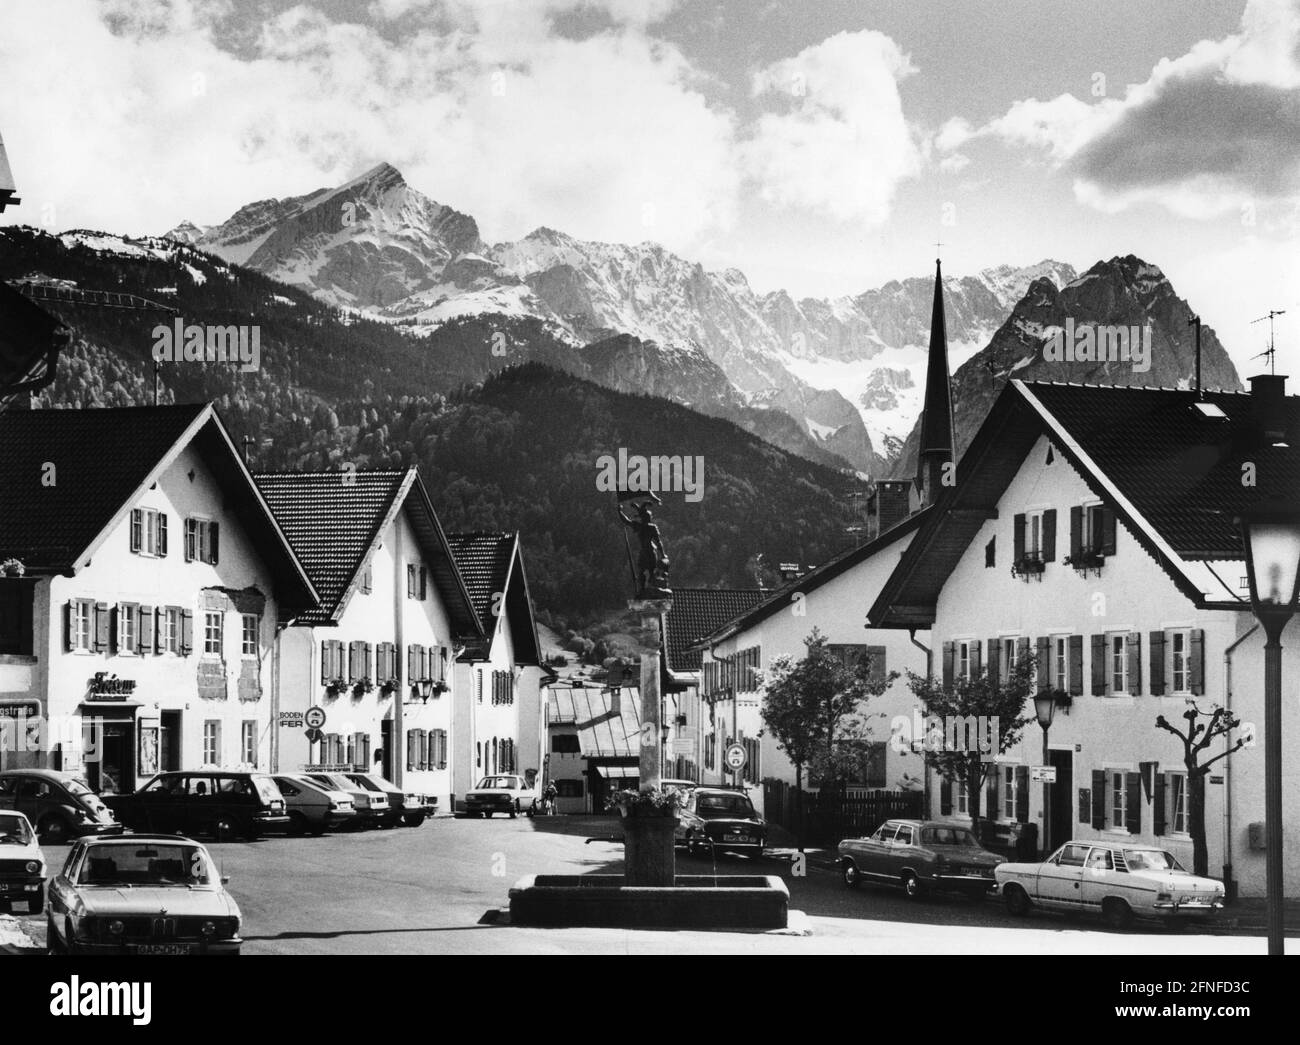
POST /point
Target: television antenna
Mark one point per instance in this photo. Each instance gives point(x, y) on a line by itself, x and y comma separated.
point(1269, 352)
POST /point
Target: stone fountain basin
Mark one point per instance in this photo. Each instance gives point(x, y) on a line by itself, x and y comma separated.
point(694, 902)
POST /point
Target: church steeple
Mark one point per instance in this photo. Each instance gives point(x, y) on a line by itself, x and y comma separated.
point(936, 445)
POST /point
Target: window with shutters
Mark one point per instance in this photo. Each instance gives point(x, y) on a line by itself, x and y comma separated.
point(962, 797)
point(1034, 535)
point(1093, 536)
point(201, 540)
point(81, 625)
point(1176, 802)
point(1117, 808)
point(212, 629)
point(128, 628)
point(964, 661)
point(148, 532)
point(417, 580)
point(248, 639)
point(212, 742)
point(1179, 644)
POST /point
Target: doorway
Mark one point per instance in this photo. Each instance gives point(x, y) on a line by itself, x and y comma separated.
point(113, 773)
point(169, 741)
point(1061, 813)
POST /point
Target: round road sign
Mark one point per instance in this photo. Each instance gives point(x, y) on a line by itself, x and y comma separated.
point(315, 717)
point(735, 757)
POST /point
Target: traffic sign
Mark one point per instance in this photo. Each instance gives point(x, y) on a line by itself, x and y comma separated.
point(314, 736)
point(735, 757)
point(315, 717)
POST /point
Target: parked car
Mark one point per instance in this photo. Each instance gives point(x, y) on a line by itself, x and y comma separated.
point(371, 806)
point(920, 855)
point(404, 807)
point(222, 803)
point(22, 864)
point(719, 819)
point(312, 807)
point(59, 805)
point(501, 793)
point(141, 894)
point(681, 785)
point(1118, 880)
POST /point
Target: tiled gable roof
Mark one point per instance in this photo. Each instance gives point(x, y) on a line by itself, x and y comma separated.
point(1172, 475)
point(492, 565)
point(331, 520)
point(65, 474)
point(697, 612)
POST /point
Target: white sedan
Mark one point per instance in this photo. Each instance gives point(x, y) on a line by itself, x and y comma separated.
point(501, 793)
point(1119, 881)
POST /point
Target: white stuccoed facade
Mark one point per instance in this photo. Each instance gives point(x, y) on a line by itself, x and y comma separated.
point(1116, 733)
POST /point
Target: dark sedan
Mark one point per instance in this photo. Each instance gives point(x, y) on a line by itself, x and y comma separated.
point(715, 819)
point(919, 856)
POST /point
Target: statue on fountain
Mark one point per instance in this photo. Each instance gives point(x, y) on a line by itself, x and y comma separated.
point(652, 563)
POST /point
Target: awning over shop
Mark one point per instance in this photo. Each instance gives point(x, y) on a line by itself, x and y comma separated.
point(619, 772)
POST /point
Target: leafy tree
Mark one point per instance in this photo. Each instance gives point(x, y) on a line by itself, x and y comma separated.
point(970, 708)
point(1198, 736)
point(815, 708)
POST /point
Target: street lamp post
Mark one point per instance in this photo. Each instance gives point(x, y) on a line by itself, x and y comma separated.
point(1044, 709)
point(1271, 534)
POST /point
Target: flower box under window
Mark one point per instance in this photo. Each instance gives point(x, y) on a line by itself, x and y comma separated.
point(1086, 561)
point(1029, 566)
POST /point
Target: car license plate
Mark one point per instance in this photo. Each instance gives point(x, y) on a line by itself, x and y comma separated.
point(1188, 899)
point(735, 838)
point(162, 948)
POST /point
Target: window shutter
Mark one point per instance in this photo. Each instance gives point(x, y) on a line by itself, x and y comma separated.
point(945, 796)
point(1107, 530)
point(1044, 662)
point(1156, 641)
point(367, 651)
point(1159, 827)
point(1196, 665)
point(1049, 535)
point(947, 665)
point(162, 534)
point(1022, 794)
point(1099, 665)
point(68, 630)
point(145, 639)
point(1135, 662)
point(191, 540)
point(103, 625)
point(995, 658)
point(214, 542)
point(975, 659)
point(1133, 803)
point(412, 674)
point(136, 528)
point(326, 655)
point(424, 583)
point(187, 632)
point(1098, 799)
point(410, 581)
point(115, 628)
point(991, 793)
point(410, 748)
point(1019, 538)
point(1076, 533)
point(1076, 665)
point(442, 749)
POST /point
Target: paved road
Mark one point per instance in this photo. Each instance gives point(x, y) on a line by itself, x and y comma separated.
point(442, 888)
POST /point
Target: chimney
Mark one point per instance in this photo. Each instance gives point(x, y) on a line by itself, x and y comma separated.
point(1269, 391)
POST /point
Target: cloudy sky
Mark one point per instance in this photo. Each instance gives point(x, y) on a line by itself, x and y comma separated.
point(823, 146)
